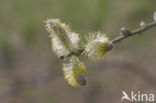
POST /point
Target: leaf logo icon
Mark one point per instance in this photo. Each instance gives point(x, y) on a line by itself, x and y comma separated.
point(125, 96)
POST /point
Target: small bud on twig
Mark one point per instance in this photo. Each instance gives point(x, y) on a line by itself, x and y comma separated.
point(154, 16)
point(142, 24)
point(125, 32)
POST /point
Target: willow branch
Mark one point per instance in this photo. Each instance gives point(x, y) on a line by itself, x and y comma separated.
point(125, 33)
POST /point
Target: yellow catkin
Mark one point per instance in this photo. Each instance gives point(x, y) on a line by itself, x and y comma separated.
point(75, 72)
point(96, 48)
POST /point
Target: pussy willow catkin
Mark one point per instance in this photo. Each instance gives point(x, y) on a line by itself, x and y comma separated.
point(97, 46)
point(63, 40)
point(75, 72)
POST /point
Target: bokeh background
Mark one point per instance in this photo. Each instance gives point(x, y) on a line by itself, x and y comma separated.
point(31, 73)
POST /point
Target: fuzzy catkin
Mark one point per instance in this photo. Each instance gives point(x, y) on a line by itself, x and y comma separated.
point(75, 72)
point(96, 46)
point(63, 40)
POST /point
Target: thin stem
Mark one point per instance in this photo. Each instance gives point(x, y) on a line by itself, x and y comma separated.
point(131, 33)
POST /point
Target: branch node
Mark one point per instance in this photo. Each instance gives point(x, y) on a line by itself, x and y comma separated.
point(125, 32)
point(109, 46)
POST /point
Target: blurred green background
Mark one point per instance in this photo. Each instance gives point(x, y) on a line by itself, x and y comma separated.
point(31, 73)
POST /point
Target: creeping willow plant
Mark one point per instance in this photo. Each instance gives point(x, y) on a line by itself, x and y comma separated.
point(66, 45)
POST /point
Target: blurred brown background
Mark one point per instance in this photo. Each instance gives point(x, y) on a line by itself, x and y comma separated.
point(31, 73)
